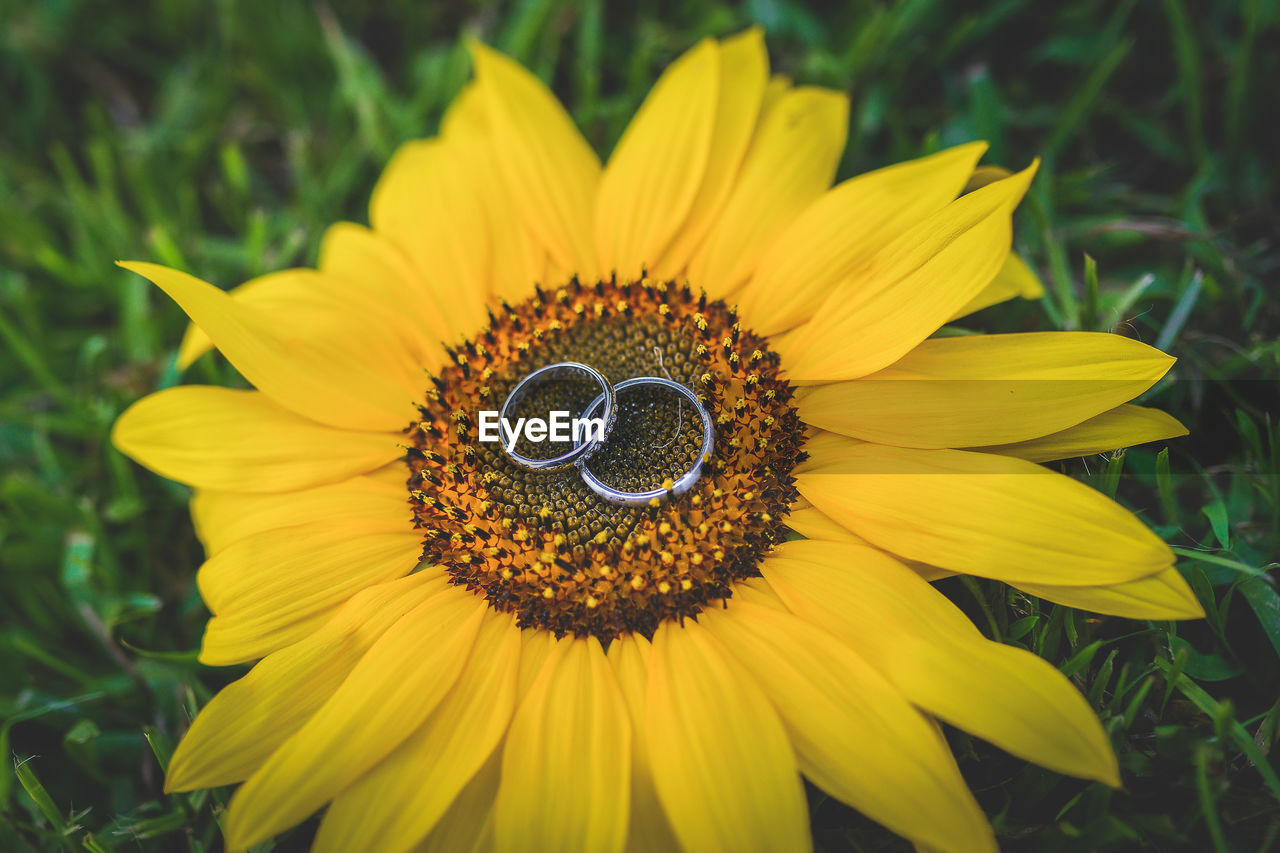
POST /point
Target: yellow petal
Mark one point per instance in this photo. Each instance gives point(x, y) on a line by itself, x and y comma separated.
point(987, 389)
point(854, 734)
point(220, 438)
point(778, 85)
point(377, 266)
point(909, 288)
point(722, 762)
point(347, 373)
point(653, 175)
point(1164, 595)
point(250, 718)
point(648, 830)
point(926, 571)
point(519, 261)
point(986, 515)
point(1123, 426)
point(305, 299)
point(550, 169)
point(378, 503)
point(275, 587)
point(744, 69)
point(790, 162)
point(428, 202)
point(536, 648)
point(466, 119)
point(984, 175)
point(826, 448)
point(815, 524)
point(756, 592)
point(812, 523)
point(927, 648)
point(393, 806)
point(386, 697)
point(260, 292)
point(842, 230)
point(1014, 278)
point(566, 766)
point(314, 303)
point(467, 826)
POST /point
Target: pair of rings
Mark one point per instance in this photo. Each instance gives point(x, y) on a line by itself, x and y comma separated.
point(585, 447)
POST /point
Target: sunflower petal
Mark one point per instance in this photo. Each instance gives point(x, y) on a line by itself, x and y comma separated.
point(652, 178)
point(519, 261)
point(377, 503)
point(778, 85)
point(379, 811)
point(571, 726)
point(1164, 595)
point(275, 587)
point(744, 70)
point(984, 175)
point(261, 292)
point(1015, 278)
point(393, 689)
point(701, 712)
point(428, 203)
point(305, 299)
point(550, 169)
point(812, 523)
point(986, 515)
point(843, 229)
point(1123, 426)
point(791, 161)
point(827, 448)
point(377, 266)
point(987, 389)
point(349, 373)
point(854, 734)
point(648, 830)
point(250, 718)
point(220, 438)
point(927, 648)
point(467, 825)
point(536, 647)
point(909, 288)
point(756, 592)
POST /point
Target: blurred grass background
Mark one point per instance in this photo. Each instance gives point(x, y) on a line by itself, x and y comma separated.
point(223, 137)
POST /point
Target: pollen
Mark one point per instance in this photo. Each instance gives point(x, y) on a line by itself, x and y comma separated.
point(541, 545)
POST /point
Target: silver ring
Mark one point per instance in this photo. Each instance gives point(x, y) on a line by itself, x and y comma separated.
point(581, 451)
point(685, 481)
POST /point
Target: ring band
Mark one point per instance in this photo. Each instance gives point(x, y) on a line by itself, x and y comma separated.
point(580, 451)
point(685, 481)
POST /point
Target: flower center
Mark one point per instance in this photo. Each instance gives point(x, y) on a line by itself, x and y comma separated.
point(542, 544)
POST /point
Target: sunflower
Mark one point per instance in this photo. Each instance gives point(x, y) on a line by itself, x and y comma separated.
point(453, 653)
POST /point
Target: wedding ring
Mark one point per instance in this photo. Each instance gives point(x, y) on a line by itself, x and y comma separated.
point(582, 450)
point(680, 485)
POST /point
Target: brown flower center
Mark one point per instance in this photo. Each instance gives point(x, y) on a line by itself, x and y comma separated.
point(543, 545)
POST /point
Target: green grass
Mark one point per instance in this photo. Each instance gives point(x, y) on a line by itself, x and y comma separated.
point(222, 138)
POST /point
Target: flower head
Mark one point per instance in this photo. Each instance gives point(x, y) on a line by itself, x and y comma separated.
point(453, 652)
